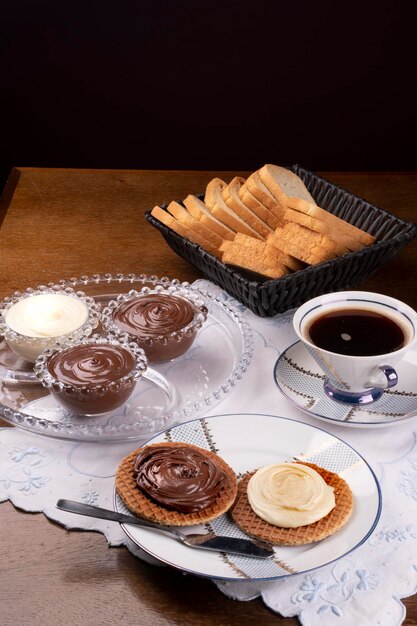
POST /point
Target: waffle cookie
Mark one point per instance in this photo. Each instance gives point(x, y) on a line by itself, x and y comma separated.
point(254, 526)
point(145, 507)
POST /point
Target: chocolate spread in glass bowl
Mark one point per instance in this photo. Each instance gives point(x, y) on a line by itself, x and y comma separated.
point(92, 376)
point(162, 324)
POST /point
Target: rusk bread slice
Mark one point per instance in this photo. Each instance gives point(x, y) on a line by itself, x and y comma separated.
point(263, 250)
point(313, 256)
point(183, 216)
point(218, 207)
point(259, 208)
point(322, 227)
point(309, 208)
point(200, 212)
point(286, 259)
point(305, 251)
point(213, 193)
point(231, 196)
point(281, 182)
point(257, 188)
point(254, 526)
point(240, 241)
point(262, 265)
point(255, 250)
point(142, 506)
point(168, 220)
point(302, 236)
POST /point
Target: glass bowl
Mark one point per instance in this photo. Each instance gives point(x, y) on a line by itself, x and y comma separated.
point(28, 346)
point(97, 357)
point(158, 319)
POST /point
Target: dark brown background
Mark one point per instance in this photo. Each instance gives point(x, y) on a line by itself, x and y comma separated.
point(181, 84)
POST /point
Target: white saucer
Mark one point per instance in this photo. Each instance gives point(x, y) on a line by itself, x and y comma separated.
point(300, 379)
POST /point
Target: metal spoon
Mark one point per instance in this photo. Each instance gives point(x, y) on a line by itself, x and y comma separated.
point(206, 541)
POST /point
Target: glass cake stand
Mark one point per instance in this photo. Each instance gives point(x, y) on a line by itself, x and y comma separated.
point(172, 392)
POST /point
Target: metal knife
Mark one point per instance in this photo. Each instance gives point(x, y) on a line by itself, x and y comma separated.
point(205, 541)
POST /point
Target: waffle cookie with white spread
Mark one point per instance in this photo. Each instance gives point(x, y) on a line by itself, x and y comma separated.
point(255, 526)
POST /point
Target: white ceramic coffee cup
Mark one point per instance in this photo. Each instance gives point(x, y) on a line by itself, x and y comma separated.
point(357, 379)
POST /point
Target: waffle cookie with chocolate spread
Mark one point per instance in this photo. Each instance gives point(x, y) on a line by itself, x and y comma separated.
point(176, 484)
point(254, 526)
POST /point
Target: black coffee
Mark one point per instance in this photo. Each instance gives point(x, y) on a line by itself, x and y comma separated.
point(356, 332)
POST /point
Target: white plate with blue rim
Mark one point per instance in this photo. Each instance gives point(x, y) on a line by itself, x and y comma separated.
point(247, 441)
point(300, 380)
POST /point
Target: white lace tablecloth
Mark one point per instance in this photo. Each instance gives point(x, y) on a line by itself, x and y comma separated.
point(364, 587)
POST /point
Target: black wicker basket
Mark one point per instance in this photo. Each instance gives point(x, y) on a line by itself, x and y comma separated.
point(270, 297)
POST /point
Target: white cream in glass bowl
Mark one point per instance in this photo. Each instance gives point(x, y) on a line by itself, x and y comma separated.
point(38, 318)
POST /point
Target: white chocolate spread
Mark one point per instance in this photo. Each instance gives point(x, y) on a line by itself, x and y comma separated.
point(289, 495)
point(46, 315)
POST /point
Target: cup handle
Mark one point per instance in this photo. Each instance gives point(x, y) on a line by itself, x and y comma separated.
point(391, 378)
point(14, 378)
point(391, 375)
point(160, 381)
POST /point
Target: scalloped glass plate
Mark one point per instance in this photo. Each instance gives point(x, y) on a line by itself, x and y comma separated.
point(202, 377)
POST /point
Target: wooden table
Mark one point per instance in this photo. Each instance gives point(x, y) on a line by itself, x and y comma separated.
point(63, 223)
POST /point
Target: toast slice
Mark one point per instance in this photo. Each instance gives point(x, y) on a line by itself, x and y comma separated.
point(249, 252)
point(281, 182)
point(255, 185)
point(184, 231)
point(320, 226)
point(182, 215)
point(218, 207)
point(302, 236)
point(306, 245)
point(200, 212)
point(258, 207)
point(264, 250)
point(333, 221)
point(312, 256)
point(234, 256)
point(231, 196)
point(290, 261)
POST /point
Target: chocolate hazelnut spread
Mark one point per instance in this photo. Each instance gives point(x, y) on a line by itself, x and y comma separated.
point(92, 373)
point(154, 320)
point(179, 478)
point(153, 314)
